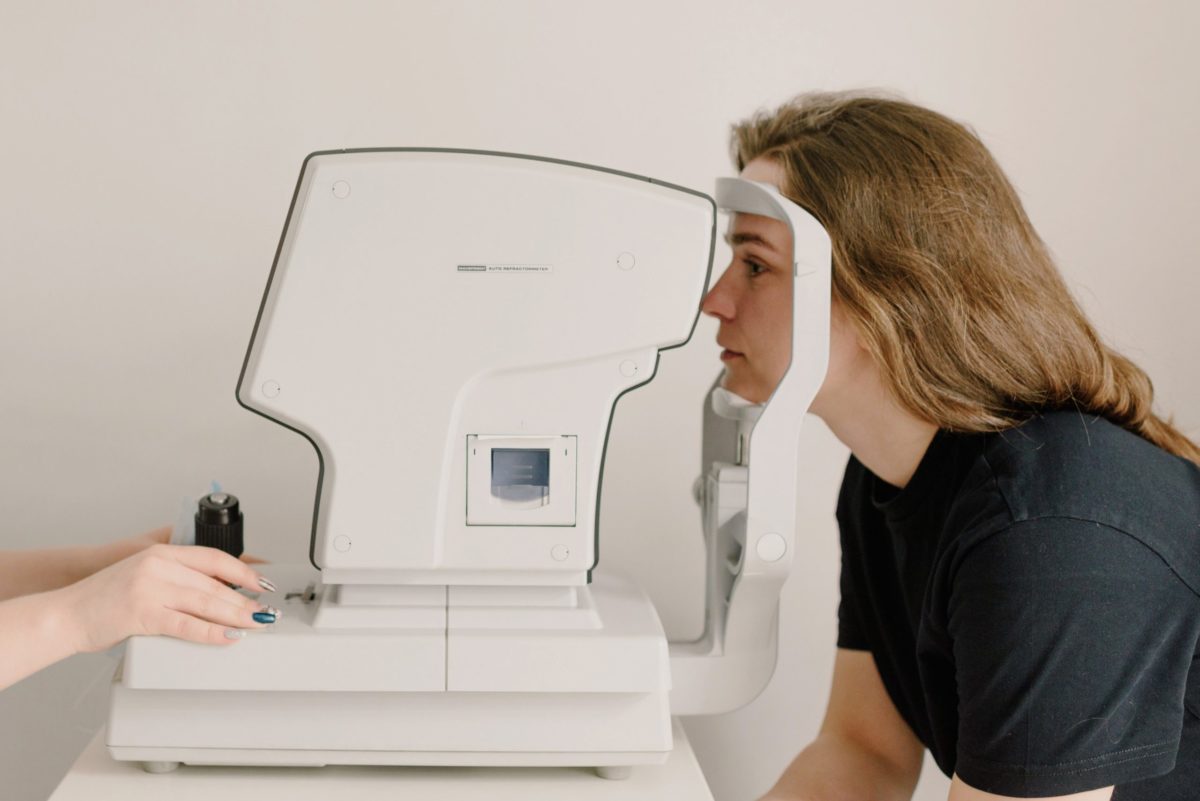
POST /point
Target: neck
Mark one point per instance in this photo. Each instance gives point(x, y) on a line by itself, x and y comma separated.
point(889, 440)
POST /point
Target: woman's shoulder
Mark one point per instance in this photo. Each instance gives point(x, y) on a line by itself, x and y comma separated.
point(1083, 468)
point(1067, 463)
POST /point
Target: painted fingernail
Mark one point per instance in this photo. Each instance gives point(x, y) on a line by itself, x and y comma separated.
point(266, 584)
point(234, 634)
point(278, 613)
point(263, 617)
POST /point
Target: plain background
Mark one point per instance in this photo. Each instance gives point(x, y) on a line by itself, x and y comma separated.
point(150, 152)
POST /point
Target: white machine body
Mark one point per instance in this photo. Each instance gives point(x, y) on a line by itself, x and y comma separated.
point(451, 305)
point(451, 331)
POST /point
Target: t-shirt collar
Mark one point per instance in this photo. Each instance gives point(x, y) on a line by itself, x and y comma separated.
point(897, 503)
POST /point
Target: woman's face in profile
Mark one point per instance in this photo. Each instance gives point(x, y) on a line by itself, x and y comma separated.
point(753, 298)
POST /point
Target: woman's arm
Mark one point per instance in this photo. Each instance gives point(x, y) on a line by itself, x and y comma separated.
point(961, 791)
point(36, 571)
point(864, 751)
point(163, 589)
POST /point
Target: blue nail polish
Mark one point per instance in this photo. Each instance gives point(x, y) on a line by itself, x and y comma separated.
point(263, 617)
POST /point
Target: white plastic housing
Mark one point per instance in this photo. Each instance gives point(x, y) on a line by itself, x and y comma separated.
point(422, 297)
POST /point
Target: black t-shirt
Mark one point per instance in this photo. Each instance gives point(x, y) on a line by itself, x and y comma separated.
point(1032, 602)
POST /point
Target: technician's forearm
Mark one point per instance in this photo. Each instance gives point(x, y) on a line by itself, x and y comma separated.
point(834, 769)
point(34, 632)
point(29, 572)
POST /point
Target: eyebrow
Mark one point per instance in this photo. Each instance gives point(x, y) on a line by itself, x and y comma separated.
point(733, 240)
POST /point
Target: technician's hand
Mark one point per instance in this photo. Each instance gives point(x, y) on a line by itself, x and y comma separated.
point(163, 589)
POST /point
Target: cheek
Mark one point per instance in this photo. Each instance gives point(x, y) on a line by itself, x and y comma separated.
point(779, 323)
point(772, 336)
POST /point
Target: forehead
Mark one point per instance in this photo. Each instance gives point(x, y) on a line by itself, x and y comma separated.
point(754, 229)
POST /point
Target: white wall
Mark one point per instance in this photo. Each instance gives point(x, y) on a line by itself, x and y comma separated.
point(150, 154)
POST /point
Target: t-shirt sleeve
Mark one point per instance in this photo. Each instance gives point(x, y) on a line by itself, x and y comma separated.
point(1072, 644)
point(850, 633)
point(850, 607)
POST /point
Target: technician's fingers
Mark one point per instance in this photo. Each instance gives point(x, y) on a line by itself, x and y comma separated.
point(186, 627)
point(217, 564)
point(211, 608)
point(185, 576)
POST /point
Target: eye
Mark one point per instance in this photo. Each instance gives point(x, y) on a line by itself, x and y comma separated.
point(754, 267)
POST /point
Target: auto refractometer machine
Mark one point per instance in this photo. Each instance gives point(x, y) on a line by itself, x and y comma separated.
point(451, 331)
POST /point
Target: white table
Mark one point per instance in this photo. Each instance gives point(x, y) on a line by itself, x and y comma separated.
point(96, 775)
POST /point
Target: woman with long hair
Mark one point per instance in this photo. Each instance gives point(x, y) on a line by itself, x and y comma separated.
point(1020, 586)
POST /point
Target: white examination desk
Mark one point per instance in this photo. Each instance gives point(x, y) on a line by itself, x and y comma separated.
point(95, 775)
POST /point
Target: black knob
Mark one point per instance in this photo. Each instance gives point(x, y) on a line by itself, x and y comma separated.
point(219, 523)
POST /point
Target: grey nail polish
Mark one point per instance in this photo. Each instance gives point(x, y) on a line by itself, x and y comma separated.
point(266, 584)
point(234, 634)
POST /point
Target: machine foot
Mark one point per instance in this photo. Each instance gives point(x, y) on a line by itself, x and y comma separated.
point(614, 772)
point(159, 767)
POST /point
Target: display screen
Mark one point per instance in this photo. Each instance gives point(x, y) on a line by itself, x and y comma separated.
point(520, 467)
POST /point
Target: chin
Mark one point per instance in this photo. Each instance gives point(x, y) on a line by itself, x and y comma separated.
point(744, 389)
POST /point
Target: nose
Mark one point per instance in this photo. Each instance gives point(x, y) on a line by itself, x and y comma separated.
point(719, 302)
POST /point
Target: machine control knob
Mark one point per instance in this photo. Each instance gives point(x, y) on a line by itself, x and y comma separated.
point(219, 523)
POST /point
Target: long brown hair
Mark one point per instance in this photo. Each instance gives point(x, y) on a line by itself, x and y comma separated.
point(953, 293)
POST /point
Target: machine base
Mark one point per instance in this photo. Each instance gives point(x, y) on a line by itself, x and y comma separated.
point(582, 696)
point(614, 766)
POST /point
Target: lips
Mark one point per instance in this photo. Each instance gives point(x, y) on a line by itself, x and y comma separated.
point(728, 353)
